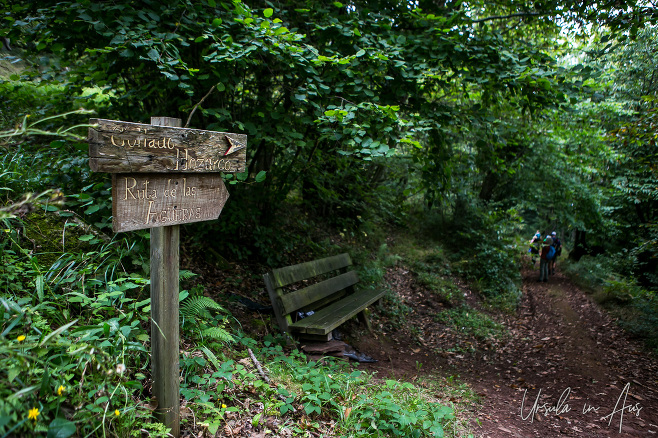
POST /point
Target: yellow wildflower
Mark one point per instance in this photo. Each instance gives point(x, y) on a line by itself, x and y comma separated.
point(223, 406)
point(116, 412)
point(21, 338)
point(60, 390)
point(33, 414)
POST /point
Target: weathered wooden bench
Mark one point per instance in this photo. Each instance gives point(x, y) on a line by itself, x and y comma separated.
point(324, 286)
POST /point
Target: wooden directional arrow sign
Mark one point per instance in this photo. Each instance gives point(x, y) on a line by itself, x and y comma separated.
point(150, 200)
point(123, 147)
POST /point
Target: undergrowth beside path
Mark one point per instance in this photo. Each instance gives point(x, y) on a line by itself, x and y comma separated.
point(75, 354)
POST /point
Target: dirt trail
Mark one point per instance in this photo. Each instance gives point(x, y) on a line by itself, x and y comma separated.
point(565, 370)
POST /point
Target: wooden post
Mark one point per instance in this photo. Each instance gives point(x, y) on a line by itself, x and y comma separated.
point(164, 316)
point(163, 176)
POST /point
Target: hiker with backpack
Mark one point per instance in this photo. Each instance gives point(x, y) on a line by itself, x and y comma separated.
point(547, 253)
point(557, 244)
point(535, 246)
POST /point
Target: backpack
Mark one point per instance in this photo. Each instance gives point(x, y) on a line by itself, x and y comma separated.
point(551, 253)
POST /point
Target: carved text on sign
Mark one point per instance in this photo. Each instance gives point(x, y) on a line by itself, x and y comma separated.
point(147, 143)
point(125, 147)
point(154, 200)
point(188, 163)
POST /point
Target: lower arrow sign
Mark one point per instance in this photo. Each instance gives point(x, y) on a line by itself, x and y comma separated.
point(144, 200)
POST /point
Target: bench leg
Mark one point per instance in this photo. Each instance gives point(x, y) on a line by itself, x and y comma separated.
point(363, 318)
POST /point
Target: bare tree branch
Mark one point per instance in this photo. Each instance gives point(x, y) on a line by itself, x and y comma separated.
point(197, 105)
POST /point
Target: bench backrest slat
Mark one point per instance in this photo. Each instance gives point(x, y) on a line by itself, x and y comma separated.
point(298, 299)
point(292, 274)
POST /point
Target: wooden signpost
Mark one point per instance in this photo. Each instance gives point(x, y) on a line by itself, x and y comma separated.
point(121, 147)
point(149, 200)
point(164, 176)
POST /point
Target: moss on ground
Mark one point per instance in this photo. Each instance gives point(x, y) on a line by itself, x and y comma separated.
point(48, 235)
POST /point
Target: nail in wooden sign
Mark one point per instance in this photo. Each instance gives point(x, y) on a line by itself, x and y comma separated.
point(126, 147)
point(149, 200)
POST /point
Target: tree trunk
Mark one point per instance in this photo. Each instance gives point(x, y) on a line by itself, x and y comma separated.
point(579, 245)
point(488, 185)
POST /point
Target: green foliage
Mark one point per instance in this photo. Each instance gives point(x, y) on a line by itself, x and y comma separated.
point(155, 430)
point(372, 266)
point(397, 411)
point(50, 371)
point(485, 248)
point(205, 317)
point(633, 305)
point(443, 287)
point(356, 114)
point(589, 273)
point(198, 307)
point(344, 110)
point(363, 407)
point(433, 270)
point(73, 331)
point(472, 322)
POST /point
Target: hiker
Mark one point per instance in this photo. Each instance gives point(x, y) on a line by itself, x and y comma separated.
point(544, 258)
point(557, 244)
point(535, 245)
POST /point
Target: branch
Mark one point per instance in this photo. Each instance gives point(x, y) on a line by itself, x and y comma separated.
point(263, 375)
point(197, 105)
point(505, 17)
point(258, 367)
point(23, 129)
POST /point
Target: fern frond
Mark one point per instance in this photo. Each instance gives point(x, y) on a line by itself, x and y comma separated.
point(184, 274)
point(219, 334)
point(197, 307)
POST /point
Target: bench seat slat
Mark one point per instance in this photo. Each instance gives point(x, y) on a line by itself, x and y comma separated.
point(292, 274)
point(327, 319)
point(297, 299)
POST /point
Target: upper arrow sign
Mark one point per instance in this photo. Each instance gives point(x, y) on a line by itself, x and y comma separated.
point(235, 146)
point(125, 147)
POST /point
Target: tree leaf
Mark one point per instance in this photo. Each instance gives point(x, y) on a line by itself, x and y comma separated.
point(267, 13)
point(57, 331)
point(39, 285)
point(154, 55)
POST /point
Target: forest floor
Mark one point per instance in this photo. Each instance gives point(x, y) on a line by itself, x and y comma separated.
point(559, 365)
point(563, 368)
